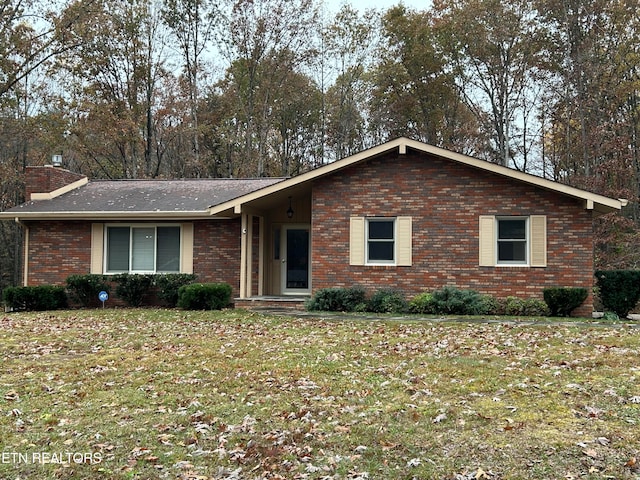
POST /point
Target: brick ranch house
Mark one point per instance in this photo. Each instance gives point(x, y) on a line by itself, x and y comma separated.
point(403, 214)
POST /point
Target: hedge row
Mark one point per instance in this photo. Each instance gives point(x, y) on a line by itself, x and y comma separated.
point(174, 289)
point(44, 297)
point(84, 289)
point(446, 301)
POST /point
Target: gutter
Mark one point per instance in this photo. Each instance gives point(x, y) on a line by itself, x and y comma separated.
point(101, 215)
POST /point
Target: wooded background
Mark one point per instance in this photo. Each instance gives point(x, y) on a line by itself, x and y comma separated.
point(246, 88)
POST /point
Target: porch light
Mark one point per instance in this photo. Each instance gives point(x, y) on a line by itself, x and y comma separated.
point(290, 210)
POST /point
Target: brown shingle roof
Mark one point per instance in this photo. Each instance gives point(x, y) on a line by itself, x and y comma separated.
point(143, 196)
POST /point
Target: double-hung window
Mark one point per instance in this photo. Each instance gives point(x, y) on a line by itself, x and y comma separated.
point(381, 240)
point(142, 249)
point(512, 240)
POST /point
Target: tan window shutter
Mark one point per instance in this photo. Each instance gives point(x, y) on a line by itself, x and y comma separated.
point(356, 241)
point(487, 241)
point(186, 244)
point(538, 229)
point(97, 248)
point(404, 232)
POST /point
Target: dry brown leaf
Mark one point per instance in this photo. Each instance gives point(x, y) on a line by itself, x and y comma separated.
point(590, 452)
point(11, 396)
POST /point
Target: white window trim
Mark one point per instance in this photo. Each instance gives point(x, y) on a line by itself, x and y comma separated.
point(105, 245)
point(395, 241)
point(527, 242)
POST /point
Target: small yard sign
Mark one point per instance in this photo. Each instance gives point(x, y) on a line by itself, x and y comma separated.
point(103, 297)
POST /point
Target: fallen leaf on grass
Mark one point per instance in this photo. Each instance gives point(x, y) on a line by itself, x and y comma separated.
point(388, 446)
point(480, 474)
point(11, 396)
point(591, 453)
point(440, 418)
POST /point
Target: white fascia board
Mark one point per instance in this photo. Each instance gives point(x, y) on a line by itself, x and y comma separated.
point(236, 204)
point(589, 197)
point(100, 215)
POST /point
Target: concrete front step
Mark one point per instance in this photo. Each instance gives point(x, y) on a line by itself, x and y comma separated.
point(270, 302)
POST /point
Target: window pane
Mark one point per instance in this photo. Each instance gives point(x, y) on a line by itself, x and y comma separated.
point(512, 229)
point(143, 248)
point(512, 252)
point(381, 251)
point(381, 230)
point(118, 249)
point(297, 258)
point(168, 249)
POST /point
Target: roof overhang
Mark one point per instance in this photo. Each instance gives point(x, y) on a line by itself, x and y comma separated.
point(128, 216)
point(592, 201)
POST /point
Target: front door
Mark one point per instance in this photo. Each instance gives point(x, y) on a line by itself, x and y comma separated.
point(295, 261)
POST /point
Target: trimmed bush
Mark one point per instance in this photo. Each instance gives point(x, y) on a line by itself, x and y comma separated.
point(132, 287)
point(525, 307)
point(619, 290)
point(453, 301)
point(493, 306)
point(387, 301)
point(422, 303)
point(40, 298)
point(169, 284)
point(563, 300)
point(84, 289)
point(336, 299)
point(204, 296)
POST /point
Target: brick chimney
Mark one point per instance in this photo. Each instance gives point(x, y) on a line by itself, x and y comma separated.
point(47, 179)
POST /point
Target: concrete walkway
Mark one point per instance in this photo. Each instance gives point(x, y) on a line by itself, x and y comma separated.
point(337, 316)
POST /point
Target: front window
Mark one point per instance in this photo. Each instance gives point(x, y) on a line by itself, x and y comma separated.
point(512, 241)
point(380, 240)
point(143, 249)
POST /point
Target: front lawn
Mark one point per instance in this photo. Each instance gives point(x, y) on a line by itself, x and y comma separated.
point(145, 394)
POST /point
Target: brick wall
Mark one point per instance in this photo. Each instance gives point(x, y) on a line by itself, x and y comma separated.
point(445, 201)
point(46, 179)
point(59, 249)
point(216, 252)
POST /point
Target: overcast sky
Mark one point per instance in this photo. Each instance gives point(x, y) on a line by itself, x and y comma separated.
point(334, 5)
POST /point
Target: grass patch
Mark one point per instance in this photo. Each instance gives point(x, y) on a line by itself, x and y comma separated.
point(137, 394)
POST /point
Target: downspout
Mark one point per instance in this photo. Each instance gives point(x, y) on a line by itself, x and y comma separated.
point(25, 252)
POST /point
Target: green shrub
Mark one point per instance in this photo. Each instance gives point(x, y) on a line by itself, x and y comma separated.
point(610, 317)
point(563, 300)
point(204, 296)
point(39, 298)
point(453, 301)
point(422, 303)
point(387, 301)
point(84, 289)
point(132, 287)
point(525, 307)
point(169, 284)
point(336, 299)
point(619, 290)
